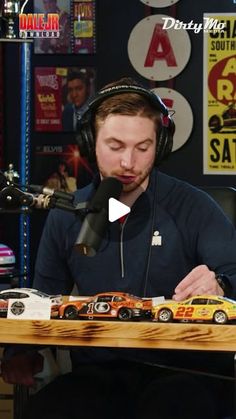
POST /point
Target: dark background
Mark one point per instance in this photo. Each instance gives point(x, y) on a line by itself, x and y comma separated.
point(114, 23)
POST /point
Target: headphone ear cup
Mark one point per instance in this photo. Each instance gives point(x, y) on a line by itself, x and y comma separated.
point(85, 138)
point(164, 141)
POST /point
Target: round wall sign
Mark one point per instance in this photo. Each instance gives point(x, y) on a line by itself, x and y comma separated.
point(157, 53)
point(159, 3)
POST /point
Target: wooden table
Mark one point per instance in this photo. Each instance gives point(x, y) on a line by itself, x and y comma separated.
point(115, 334)
point(119, 334)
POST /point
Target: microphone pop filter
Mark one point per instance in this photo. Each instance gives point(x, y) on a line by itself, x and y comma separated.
point(96, 221)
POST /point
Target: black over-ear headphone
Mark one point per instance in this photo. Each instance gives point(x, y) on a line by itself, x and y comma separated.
point(85, 136)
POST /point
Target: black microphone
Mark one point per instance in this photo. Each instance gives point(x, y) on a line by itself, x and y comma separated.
point(96, 221)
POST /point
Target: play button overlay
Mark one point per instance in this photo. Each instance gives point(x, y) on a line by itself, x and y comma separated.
point(104, 223)
point(116, 210)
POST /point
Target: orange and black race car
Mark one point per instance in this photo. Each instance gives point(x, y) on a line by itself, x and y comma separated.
point(107, 305)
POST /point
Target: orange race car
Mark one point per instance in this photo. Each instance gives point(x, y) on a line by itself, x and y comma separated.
point(199, 308)
point(107, 305)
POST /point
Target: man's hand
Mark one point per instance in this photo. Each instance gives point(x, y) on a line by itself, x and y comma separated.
point(21, 368)
point(199, 281)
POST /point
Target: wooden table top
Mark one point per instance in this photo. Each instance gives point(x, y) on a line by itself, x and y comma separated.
point(144, 334)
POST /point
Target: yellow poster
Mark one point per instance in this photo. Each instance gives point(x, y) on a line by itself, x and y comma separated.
point(219, 95)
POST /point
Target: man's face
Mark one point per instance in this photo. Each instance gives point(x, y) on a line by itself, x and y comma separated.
point(50, 6)
point(77, 91)
point(126, 148)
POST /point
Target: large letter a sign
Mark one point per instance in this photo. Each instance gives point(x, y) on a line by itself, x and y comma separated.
point(156, 53)
point(160, 48)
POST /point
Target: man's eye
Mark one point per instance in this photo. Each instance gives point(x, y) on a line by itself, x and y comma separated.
point(115, 148)
point(143, 148)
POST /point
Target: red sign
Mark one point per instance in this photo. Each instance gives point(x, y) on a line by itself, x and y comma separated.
point(38, 25)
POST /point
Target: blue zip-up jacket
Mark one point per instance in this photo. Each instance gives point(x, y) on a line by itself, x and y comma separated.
point(172, 228)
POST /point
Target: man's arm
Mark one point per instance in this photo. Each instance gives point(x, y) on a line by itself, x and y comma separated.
point(214, 238)
point(52, 274)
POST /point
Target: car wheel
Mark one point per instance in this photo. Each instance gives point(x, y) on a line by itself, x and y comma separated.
point(220, 317)
point(125, 314)
point(71, 313)
point(215, 123)
point(165, 315)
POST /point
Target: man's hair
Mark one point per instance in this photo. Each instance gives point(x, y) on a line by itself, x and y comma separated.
point(72, 75)
point(130, 104)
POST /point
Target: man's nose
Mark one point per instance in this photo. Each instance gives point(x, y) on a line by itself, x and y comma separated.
point(127, 160)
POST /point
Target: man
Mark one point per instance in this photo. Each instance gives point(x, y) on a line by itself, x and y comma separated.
point(127, 128)
point(78, 90)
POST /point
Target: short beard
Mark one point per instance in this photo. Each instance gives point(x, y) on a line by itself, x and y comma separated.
point(131, 186)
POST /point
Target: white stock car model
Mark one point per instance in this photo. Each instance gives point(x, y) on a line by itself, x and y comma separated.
point(22, 294)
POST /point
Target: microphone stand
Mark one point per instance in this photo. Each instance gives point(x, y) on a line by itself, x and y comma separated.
point(15, 201)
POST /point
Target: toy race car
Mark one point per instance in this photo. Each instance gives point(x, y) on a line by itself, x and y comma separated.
point(202, 308)
point(107, 305)
point(226, 120)
point(26, 293)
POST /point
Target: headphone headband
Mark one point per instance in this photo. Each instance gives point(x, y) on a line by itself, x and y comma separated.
point(125, 88)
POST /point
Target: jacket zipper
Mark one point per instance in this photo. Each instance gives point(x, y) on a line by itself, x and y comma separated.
point(122, 265)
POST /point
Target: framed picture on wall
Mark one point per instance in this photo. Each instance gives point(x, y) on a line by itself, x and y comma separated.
point(63, 167)
point(76, 27)
point(61, 96)
point(83, 27)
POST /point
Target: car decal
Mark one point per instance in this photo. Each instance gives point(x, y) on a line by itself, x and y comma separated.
point(99, 307)
point(17, 308)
